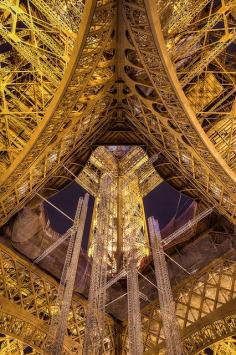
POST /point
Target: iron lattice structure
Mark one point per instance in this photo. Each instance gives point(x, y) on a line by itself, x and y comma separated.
point(58, 323)
point(10, 346)
point(226, 346)
point(119, 239)
point(80, 74)
point(133, 241)
point(166, 300)
point(204, 310)
point(29, 302)
point(94, 334)
point(131, 171)
point(28, 295)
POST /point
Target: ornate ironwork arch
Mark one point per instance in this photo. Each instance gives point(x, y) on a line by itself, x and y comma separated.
point(216, 326)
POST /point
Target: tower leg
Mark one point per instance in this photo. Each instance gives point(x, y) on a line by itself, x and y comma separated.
point(94, 332)
point(134, 316)
point(167, 304)
point(65, 291)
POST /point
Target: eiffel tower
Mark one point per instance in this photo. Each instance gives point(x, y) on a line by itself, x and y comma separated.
point(81, 75)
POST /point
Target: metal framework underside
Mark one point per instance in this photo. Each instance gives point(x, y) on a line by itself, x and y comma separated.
point(11, 346)
point(118, 242)
point(205, 308)
point(75, 75)
point(29, 301)
point(166, 300)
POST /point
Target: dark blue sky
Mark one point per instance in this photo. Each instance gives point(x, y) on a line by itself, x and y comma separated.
point(162, 203)
point(67, 200)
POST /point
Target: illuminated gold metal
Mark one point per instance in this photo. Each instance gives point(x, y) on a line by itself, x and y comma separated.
point(70, 71)
point(205, 310)
point(11, 346)
point(28, 301)
point(132, 171)
point(204, 301)
point(73, 73)
point(224, 347)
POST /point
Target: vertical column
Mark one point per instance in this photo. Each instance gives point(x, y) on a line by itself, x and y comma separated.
point(111, 244)
point(65, 291)
point(133, 225)
point(119, 250)
point(94, 332)
point(134, 316)
point(167, 304)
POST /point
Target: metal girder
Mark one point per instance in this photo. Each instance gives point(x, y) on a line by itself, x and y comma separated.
point(30, 75)
point(95, 341)
point(58, 326)
point(201, 301)
point(134, 163)
point(173, 109)
point(208, 56)
point(175, 151)
point(213, 328)
point(77, 83)
point(10, 346)
point(50, 42)
point(37, 130)
point(118, 73)
point(28, 302)
point(204, 61)
point(47, 164)
point(53, 14)
point(226, 346)
point(123, 172)
point(166, 300)
point(183, 12)
point(205, 309)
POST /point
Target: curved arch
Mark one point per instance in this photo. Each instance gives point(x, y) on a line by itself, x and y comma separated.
point(215, 176)
point(204, 333)
point(10, 345)
point(23, 326)
point(50, 123)
point(79, 81)
point(226, 344)
point(29, 300)
point(216, 326)
point(152, 12)
point(205, 309)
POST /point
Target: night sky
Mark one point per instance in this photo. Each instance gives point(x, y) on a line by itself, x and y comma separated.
point(163, 203)
point(67, 200)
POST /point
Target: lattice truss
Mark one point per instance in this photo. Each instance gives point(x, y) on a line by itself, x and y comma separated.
point(37, 41)
point(130, 172)
point(95, 340)
point(207, 72)
point(118, 242)
point(210, 294)
point(66, 71)
point(166, 68)
point(166, 300)
point(224, 347)
point(158, 86)
point(133, 162)
point(133, 251)
point(28, 302)
point(11, 346)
